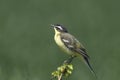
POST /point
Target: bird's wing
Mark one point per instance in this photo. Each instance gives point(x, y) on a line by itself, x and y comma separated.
point(73, 44)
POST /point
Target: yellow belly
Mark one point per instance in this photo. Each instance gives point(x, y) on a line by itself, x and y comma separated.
point(61, 45)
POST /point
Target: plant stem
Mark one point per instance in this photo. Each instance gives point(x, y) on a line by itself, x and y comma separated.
point(60, 77)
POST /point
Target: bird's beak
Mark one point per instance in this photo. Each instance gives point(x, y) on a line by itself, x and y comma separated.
point(52, 25)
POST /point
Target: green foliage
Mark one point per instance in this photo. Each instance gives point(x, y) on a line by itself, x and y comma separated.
point(64, 70)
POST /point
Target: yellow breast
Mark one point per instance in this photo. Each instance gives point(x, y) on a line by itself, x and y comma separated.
point(58, 41)
point(61, 44)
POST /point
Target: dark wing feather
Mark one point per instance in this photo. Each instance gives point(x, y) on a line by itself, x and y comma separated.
point(73, 44)
point(68, 41)
point(82, 51)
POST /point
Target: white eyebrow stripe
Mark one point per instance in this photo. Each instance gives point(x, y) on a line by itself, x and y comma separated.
point(60, 27)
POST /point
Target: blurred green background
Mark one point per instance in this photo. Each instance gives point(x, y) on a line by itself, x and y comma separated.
point(27, 47)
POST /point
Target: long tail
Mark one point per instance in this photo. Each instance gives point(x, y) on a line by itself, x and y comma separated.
point(90, 67)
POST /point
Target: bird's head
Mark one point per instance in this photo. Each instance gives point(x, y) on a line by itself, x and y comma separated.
point(59, 28)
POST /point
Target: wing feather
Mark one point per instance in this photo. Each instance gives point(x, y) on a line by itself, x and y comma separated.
point(73, 44)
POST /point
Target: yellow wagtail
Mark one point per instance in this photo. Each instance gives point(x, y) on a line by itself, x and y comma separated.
point(70, 44)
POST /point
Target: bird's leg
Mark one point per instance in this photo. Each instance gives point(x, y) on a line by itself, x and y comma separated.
point(69, 60)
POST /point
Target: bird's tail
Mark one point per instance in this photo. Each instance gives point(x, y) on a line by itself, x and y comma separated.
point(89, 66)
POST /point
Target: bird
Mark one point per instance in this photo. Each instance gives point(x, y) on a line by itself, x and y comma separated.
point(70, 45)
